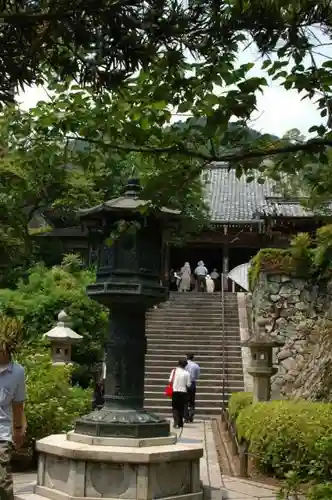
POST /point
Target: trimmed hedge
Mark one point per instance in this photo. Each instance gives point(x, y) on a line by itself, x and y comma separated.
point(289, 436)
point(237, 402)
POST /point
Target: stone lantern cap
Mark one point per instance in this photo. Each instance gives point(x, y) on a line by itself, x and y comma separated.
point(130, 201)
point(262, 341)
point(61, 332)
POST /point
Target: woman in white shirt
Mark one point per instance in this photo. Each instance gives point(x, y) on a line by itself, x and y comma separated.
point(181, 384)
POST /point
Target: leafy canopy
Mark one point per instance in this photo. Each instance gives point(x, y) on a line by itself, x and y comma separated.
point(39, 298)
point(116, 90)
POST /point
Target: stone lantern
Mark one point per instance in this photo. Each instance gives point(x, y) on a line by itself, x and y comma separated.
point(261, 366)
point(62, 338)
point(122, 451)
point(129, 235)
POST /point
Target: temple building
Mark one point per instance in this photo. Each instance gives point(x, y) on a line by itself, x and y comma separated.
point(244, 217)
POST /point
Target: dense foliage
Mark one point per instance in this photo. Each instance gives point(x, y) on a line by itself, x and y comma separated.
point(45, 292)
point(237, 402)
point(291, 440)
point(105, 44)
point(117, 89)
point(52, 403)
point(307, 257)
point(46, 177)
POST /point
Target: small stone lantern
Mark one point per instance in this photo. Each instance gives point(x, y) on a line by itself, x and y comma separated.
point(62, 338)
point(261, 367)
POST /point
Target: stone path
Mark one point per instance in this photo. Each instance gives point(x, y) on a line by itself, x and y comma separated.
point(225, 487)
point(24, 483)
point(215, 486)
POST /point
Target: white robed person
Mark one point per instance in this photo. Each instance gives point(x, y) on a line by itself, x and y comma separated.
point(185, 282)
point(209, 284)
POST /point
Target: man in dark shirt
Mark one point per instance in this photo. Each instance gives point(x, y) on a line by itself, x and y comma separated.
point(194, 371)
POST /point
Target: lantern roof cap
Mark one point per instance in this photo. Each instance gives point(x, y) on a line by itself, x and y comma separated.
point(130, 201)
point(263, 341)
point(61, 331)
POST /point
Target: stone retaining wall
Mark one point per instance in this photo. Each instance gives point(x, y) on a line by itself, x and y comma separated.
point(294, 308)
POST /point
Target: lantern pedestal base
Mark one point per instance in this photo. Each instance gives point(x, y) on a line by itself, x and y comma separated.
point(122, 423)
point(71, 470)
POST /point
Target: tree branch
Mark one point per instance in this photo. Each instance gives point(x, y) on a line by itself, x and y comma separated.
point(38, 16)
point(179, 149)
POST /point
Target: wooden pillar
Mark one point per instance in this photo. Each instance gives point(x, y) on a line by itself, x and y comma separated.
point(225, 267)
point(165, 263)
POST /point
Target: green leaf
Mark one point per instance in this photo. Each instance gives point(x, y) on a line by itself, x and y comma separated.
point(184, 107)
point(266, 63)
point(159, 105)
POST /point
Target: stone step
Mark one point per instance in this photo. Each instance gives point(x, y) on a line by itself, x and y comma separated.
point(193, 309)
point(188, 325)
point(201, 397)
point(196, 300)
point(184, 300)
point(156, 320)
point(173, 338)
point(201, 357)
point(163, 402)
point(157, 381)
point(216, 311)
point(202, 390)
point(202, 334)
point(165, 343)
point(199, 344)
point(209, 343)
point(184, 334)
point(205, 365)
point(211, 371)
point(182, 297)
point(188, 315)
point(200, 353)
point(179, 321)
point(194, 303)
point(206, 374)
point(28, 496)
point(198, 294)
point(205, 379)
point(200, 413)
point(163, 313)
point(213, 374)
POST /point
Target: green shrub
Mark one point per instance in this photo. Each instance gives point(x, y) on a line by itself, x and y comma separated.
point(52, 404)
point(302, 254)
point(289, 436)
point(237, 402)
point(323, 252)
point(272, 260)
point(320, 492)
point(39, 299)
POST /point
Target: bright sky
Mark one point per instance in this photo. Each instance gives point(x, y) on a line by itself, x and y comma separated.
point(279, 110)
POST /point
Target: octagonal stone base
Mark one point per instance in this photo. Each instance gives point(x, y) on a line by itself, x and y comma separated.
point(73, 470)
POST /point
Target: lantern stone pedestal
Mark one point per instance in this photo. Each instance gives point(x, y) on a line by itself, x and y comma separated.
point(77, 467)
point(261, 367)
point(122, 451)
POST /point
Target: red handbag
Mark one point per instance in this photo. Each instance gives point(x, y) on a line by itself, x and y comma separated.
point(168, 392)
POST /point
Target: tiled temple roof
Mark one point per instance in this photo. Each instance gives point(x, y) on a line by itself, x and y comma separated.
point(234, 200)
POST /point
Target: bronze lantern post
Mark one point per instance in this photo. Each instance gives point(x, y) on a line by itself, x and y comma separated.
point(128, 282)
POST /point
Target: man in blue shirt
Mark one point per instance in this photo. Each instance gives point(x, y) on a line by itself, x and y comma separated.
point(194, 372)
point(12, 419)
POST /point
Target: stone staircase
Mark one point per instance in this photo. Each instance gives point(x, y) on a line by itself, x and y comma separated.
point(192, 323)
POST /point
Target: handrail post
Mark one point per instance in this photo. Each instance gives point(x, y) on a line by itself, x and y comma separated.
point(243, 458)
point(223, 347)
